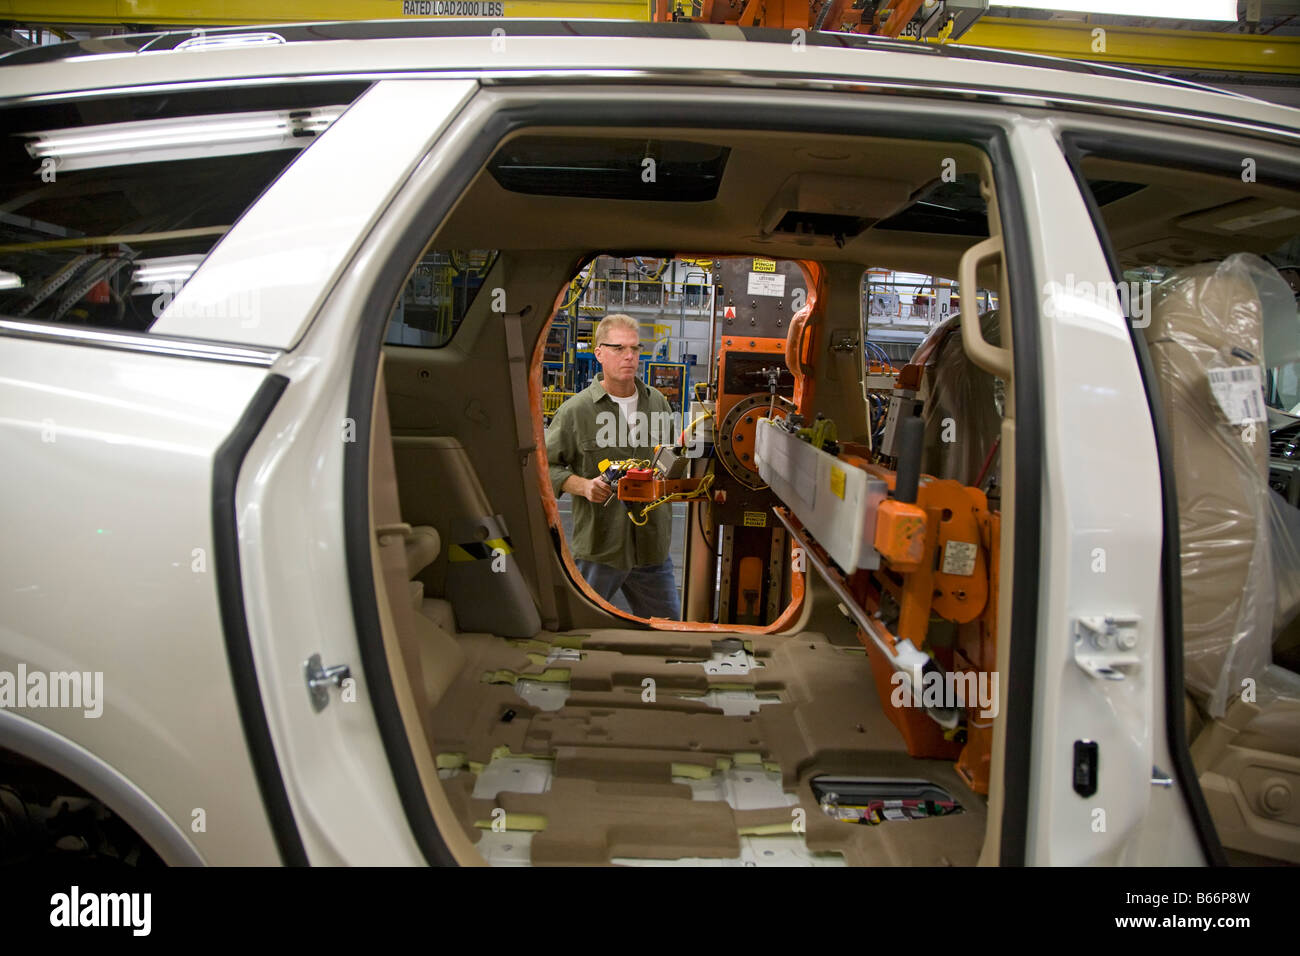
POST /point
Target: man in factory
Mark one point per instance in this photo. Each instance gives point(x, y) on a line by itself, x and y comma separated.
point(612, 418)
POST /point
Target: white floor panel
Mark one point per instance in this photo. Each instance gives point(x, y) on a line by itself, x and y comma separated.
point(543, 694)
point(744, 788)
point(735, 703)
point(511, 848)
point(514, 775)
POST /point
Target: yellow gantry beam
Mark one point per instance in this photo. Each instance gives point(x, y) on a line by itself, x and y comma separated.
point(240, 12)
point(1140, 46)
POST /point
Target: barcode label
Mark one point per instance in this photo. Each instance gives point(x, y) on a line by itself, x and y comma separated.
point(1239, 392)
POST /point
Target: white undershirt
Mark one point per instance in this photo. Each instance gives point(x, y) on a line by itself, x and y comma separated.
point(628, 405)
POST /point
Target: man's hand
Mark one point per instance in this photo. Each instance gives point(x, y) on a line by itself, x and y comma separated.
point(596, 490)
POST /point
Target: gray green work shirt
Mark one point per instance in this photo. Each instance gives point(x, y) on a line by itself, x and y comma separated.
point(578, 437)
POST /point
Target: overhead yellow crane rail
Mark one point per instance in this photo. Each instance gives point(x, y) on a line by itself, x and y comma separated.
point(1133, 46)
point(200, 13)
point(1140, 46)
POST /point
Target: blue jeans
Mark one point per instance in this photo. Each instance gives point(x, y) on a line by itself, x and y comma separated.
point(650, 589)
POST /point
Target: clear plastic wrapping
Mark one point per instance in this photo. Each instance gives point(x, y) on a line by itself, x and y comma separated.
point(963, 419)
point(1240, 567)
point(1277, 683)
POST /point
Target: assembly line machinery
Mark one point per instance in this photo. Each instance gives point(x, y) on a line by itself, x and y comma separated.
point(775, 494)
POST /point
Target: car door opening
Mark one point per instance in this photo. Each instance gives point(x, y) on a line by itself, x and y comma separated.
point(838, 560)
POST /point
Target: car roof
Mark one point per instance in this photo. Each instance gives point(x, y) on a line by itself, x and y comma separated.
point(613, 50)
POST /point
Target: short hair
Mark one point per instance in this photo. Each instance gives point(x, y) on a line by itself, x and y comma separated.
point(614, 321)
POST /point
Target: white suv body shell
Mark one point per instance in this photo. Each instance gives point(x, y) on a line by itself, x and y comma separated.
point(106, 522)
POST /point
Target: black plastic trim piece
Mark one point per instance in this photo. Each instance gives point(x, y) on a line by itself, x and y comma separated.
point(1087, 756)
point(135, 104)
point(1027, 538)
point(585, 110)
point(1152, 151)
point(230, 597)
point(1077, 146)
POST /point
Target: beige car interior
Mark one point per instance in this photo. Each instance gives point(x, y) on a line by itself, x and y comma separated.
point(545, 748)
point(1207, 315)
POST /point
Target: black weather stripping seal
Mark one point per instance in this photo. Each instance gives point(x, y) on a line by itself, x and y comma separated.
point(601, 111)
point(239, 647)
point(1077, 147)
point(1026, 541)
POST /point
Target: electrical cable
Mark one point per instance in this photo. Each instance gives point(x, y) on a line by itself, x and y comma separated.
point(699, 516)
point(988, 460)
point(574, 294)
point(881, 354)
point(681, 439)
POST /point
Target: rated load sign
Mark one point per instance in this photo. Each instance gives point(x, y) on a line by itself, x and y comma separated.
point(729, 312)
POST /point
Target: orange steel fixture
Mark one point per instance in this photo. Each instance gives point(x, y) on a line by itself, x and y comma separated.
point(950, 529)
point(636, 488)
point(977, 652)
point(750, 572)
point(952, 514)
point(888, 20)
point(732, 345)
point(800, 341)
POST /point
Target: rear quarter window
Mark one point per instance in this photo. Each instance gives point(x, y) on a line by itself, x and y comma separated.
point(438, 294)
point(108, 205)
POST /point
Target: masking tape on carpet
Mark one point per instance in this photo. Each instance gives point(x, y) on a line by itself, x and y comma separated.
point(514, 821)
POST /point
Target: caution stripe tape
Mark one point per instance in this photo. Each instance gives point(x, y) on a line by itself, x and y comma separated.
point(479, 550)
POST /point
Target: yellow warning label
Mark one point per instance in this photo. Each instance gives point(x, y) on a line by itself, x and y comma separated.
point(764, 265)
point(837, 481)
point(755, 519)
point(479, 550)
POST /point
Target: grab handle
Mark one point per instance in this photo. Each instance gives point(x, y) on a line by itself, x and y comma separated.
point(994, 360)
